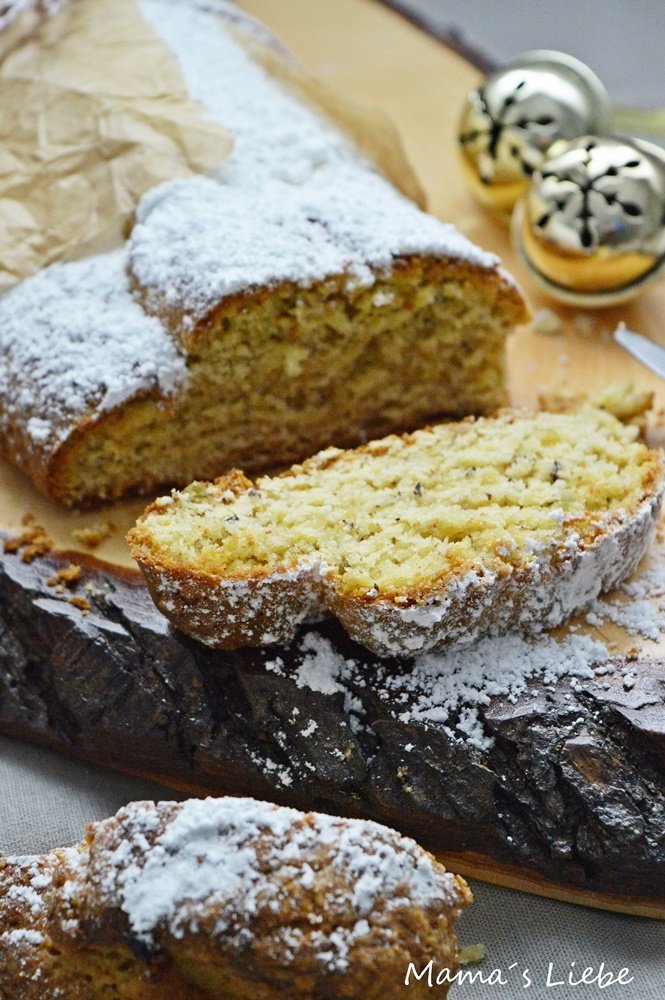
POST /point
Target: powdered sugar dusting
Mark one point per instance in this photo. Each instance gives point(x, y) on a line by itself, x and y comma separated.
point(293, 202)
point(23, 936)
point(23, 881)
point(642, 611)
point(461, 681)
point(73, 341)
point(226, 860)
point(452, 689)
point(274, 134)
point(318, 668)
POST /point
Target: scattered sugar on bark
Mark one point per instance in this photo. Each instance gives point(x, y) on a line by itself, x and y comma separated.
point(453, 688)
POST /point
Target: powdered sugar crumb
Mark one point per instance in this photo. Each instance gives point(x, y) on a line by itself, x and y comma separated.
point(319, 666)
point(23, 936)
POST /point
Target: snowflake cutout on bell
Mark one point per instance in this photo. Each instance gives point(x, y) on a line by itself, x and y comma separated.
point(509, 123)
point(591, 225)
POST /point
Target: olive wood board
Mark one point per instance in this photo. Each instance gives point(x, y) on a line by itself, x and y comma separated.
point(578, 815)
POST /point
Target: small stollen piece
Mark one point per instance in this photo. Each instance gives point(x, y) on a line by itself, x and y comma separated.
point(414, 543)
point(226, 898)
point(621, 399)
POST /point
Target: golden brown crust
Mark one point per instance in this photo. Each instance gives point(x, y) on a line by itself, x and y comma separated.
point(228, 899)
point(501, 295)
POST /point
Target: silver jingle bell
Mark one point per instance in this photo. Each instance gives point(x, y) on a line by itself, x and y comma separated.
point(590, 228)
point(509, 123)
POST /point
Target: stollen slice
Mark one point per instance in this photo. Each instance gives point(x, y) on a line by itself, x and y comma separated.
point(443, 536)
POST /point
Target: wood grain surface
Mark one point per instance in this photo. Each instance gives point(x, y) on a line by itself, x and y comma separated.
point(546, 811)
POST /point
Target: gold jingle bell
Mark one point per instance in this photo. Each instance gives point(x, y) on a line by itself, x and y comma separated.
point(509, 123)
point(590, 228)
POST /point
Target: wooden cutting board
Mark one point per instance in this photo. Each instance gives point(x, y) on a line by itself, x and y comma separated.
point(375, 56)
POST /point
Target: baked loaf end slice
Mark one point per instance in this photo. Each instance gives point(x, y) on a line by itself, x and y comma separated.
point(446, 535)
point(226, 898)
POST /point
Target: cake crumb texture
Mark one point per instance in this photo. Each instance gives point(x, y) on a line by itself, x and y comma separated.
point(413, 542)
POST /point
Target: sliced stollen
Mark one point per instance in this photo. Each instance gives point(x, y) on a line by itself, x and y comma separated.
point(291, 298)
point(446, 535)
point(226, 898)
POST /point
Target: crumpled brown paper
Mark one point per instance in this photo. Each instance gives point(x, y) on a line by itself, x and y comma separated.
point(93, 112)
